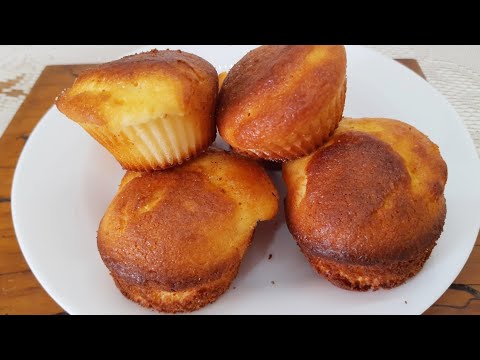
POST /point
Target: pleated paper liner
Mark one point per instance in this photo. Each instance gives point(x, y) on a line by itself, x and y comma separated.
point(153, 145)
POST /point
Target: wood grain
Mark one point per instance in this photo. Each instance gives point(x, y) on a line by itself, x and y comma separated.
point(20, 293)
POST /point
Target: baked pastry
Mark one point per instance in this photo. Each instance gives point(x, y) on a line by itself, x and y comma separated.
point(151, 110)
point(173, 240)
point(367, 208)
point(282, 102)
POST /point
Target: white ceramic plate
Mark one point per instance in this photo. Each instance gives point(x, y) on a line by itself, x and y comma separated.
point(64, 181)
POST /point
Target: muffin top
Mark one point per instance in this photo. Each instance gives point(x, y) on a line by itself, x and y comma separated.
point(275, 89)
point(141, 87)
point(372, 194)
point(187, 225)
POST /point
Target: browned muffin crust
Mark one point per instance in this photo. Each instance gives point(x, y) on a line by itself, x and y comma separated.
point(173, 240)
point(87, 107)
point(385, 275)
point(282, 102)
point(149, 294)
point(367, 208)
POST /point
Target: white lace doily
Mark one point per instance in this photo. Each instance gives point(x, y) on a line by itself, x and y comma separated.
point(453, 69)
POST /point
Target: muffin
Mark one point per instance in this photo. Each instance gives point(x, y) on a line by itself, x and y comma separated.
point(367, 208)
point(173, 240)
point(151, 110)
point(280, 103)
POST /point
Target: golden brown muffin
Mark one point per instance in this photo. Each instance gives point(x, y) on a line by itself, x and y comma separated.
point(281, 102)
point(151, 110)
point(173, 240)
point(367, 208)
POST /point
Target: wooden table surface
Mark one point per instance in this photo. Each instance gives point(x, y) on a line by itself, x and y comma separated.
point(20, 292)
